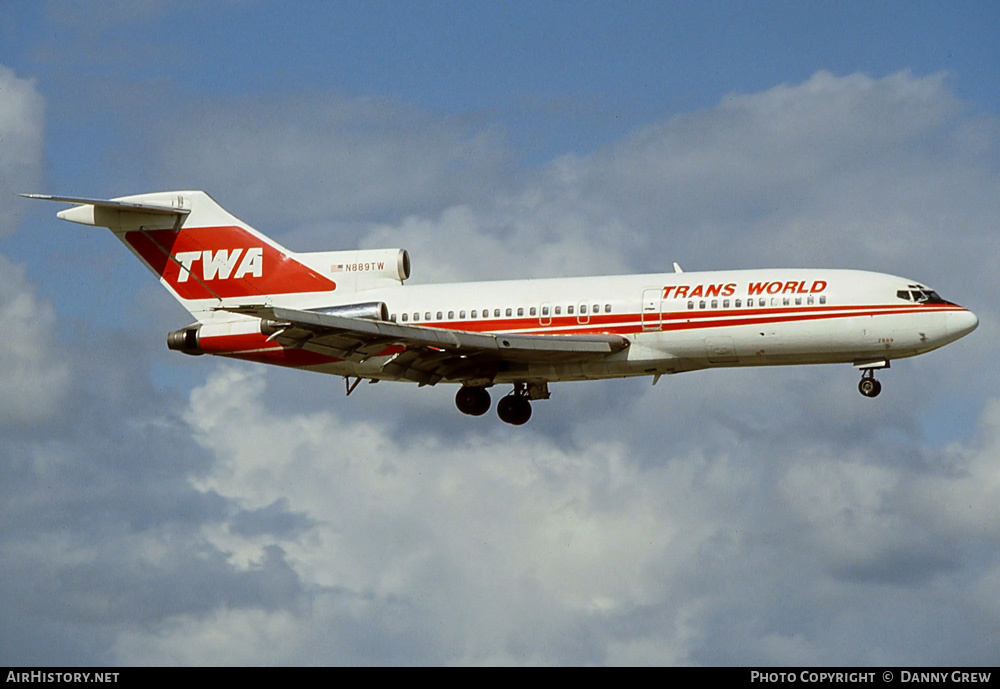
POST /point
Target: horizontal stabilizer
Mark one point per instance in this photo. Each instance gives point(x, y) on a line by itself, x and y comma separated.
point(150, 208)
point(118, 214)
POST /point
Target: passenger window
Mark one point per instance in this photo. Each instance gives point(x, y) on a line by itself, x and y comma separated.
point(416, 316)
point(701, 304)
point(532, 311)
point(520, 311)
point(822, 299)
point(496, 313)
point(427, 315)
point(715, 303)
point(785, 301)
point(405, 318)
point(607, 308)
point(473, 314)
point(690, 305)
point(809, 300)
point(583, 309)
point(725, 303)
point(798, 301)
point(461, 314)
point(739, 303)
point(545, 310)
point(509, 313)
point(451, 315)
point(569, 309)
point(558, 310)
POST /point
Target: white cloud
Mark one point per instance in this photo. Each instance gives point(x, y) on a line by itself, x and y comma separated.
point(509, 548)
point(33, 379)
point(33, 376)
point(22, 125)
point(839, 171)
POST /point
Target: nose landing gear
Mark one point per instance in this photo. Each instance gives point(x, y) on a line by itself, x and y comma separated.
point(869, 387)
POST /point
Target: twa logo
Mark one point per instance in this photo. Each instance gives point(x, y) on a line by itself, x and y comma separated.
point(184, 264)
point(221, 264)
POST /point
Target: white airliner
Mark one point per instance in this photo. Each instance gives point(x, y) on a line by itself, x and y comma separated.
point(348, 313)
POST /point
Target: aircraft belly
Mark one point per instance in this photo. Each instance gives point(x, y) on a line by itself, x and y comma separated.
point(834, 340)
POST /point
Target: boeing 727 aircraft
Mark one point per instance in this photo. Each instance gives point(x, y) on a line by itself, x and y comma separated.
point(349, 313)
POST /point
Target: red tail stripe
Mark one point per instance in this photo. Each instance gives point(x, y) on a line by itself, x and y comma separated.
point(278, 273)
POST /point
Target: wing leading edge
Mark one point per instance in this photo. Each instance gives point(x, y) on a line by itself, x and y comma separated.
point(427, 355)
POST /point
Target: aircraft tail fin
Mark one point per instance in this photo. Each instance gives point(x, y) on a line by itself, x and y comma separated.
point(204, 256)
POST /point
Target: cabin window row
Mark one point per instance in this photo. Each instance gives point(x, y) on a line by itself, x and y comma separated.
point(546, 311)
point(750, 303)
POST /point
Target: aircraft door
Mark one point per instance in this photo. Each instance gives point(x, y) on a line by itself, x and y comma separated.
point(651, 313)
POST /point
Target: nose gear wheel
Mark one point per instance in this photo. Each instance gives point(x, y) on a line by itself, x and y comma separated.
point(869, 387)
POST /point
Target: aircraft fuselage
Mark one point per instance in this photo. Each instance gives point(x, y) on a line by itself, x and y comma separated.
point(680, 321)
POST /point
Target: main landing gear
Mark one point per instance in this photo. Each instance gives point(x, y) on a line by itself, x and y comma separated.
point(869, 387)
point(514, 409)
point(474, 401)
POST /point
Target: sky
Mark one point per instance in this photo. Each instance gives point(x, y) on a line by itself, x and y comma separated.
point(159, 509)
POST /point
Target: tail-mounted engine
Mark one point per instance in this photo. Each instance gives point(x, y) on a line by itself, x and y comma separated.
point(185, 340)
point(361, 269)
point(245, 334)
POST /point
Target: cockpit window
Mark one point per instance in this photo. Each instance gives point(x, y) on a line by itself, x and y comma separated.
point(920, 295)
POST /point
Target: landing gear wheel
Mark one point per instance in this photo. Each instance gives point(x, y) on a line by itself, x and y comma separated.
point(474, 401)
point(514, 409)
point(869, 387)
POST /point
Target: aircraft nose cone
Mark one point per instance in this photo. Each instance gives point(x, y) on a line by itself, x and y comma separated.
point(961, 323)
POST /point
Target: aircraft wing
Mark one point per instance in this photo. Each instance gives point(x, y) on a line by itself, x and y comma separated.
point(427, 355)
